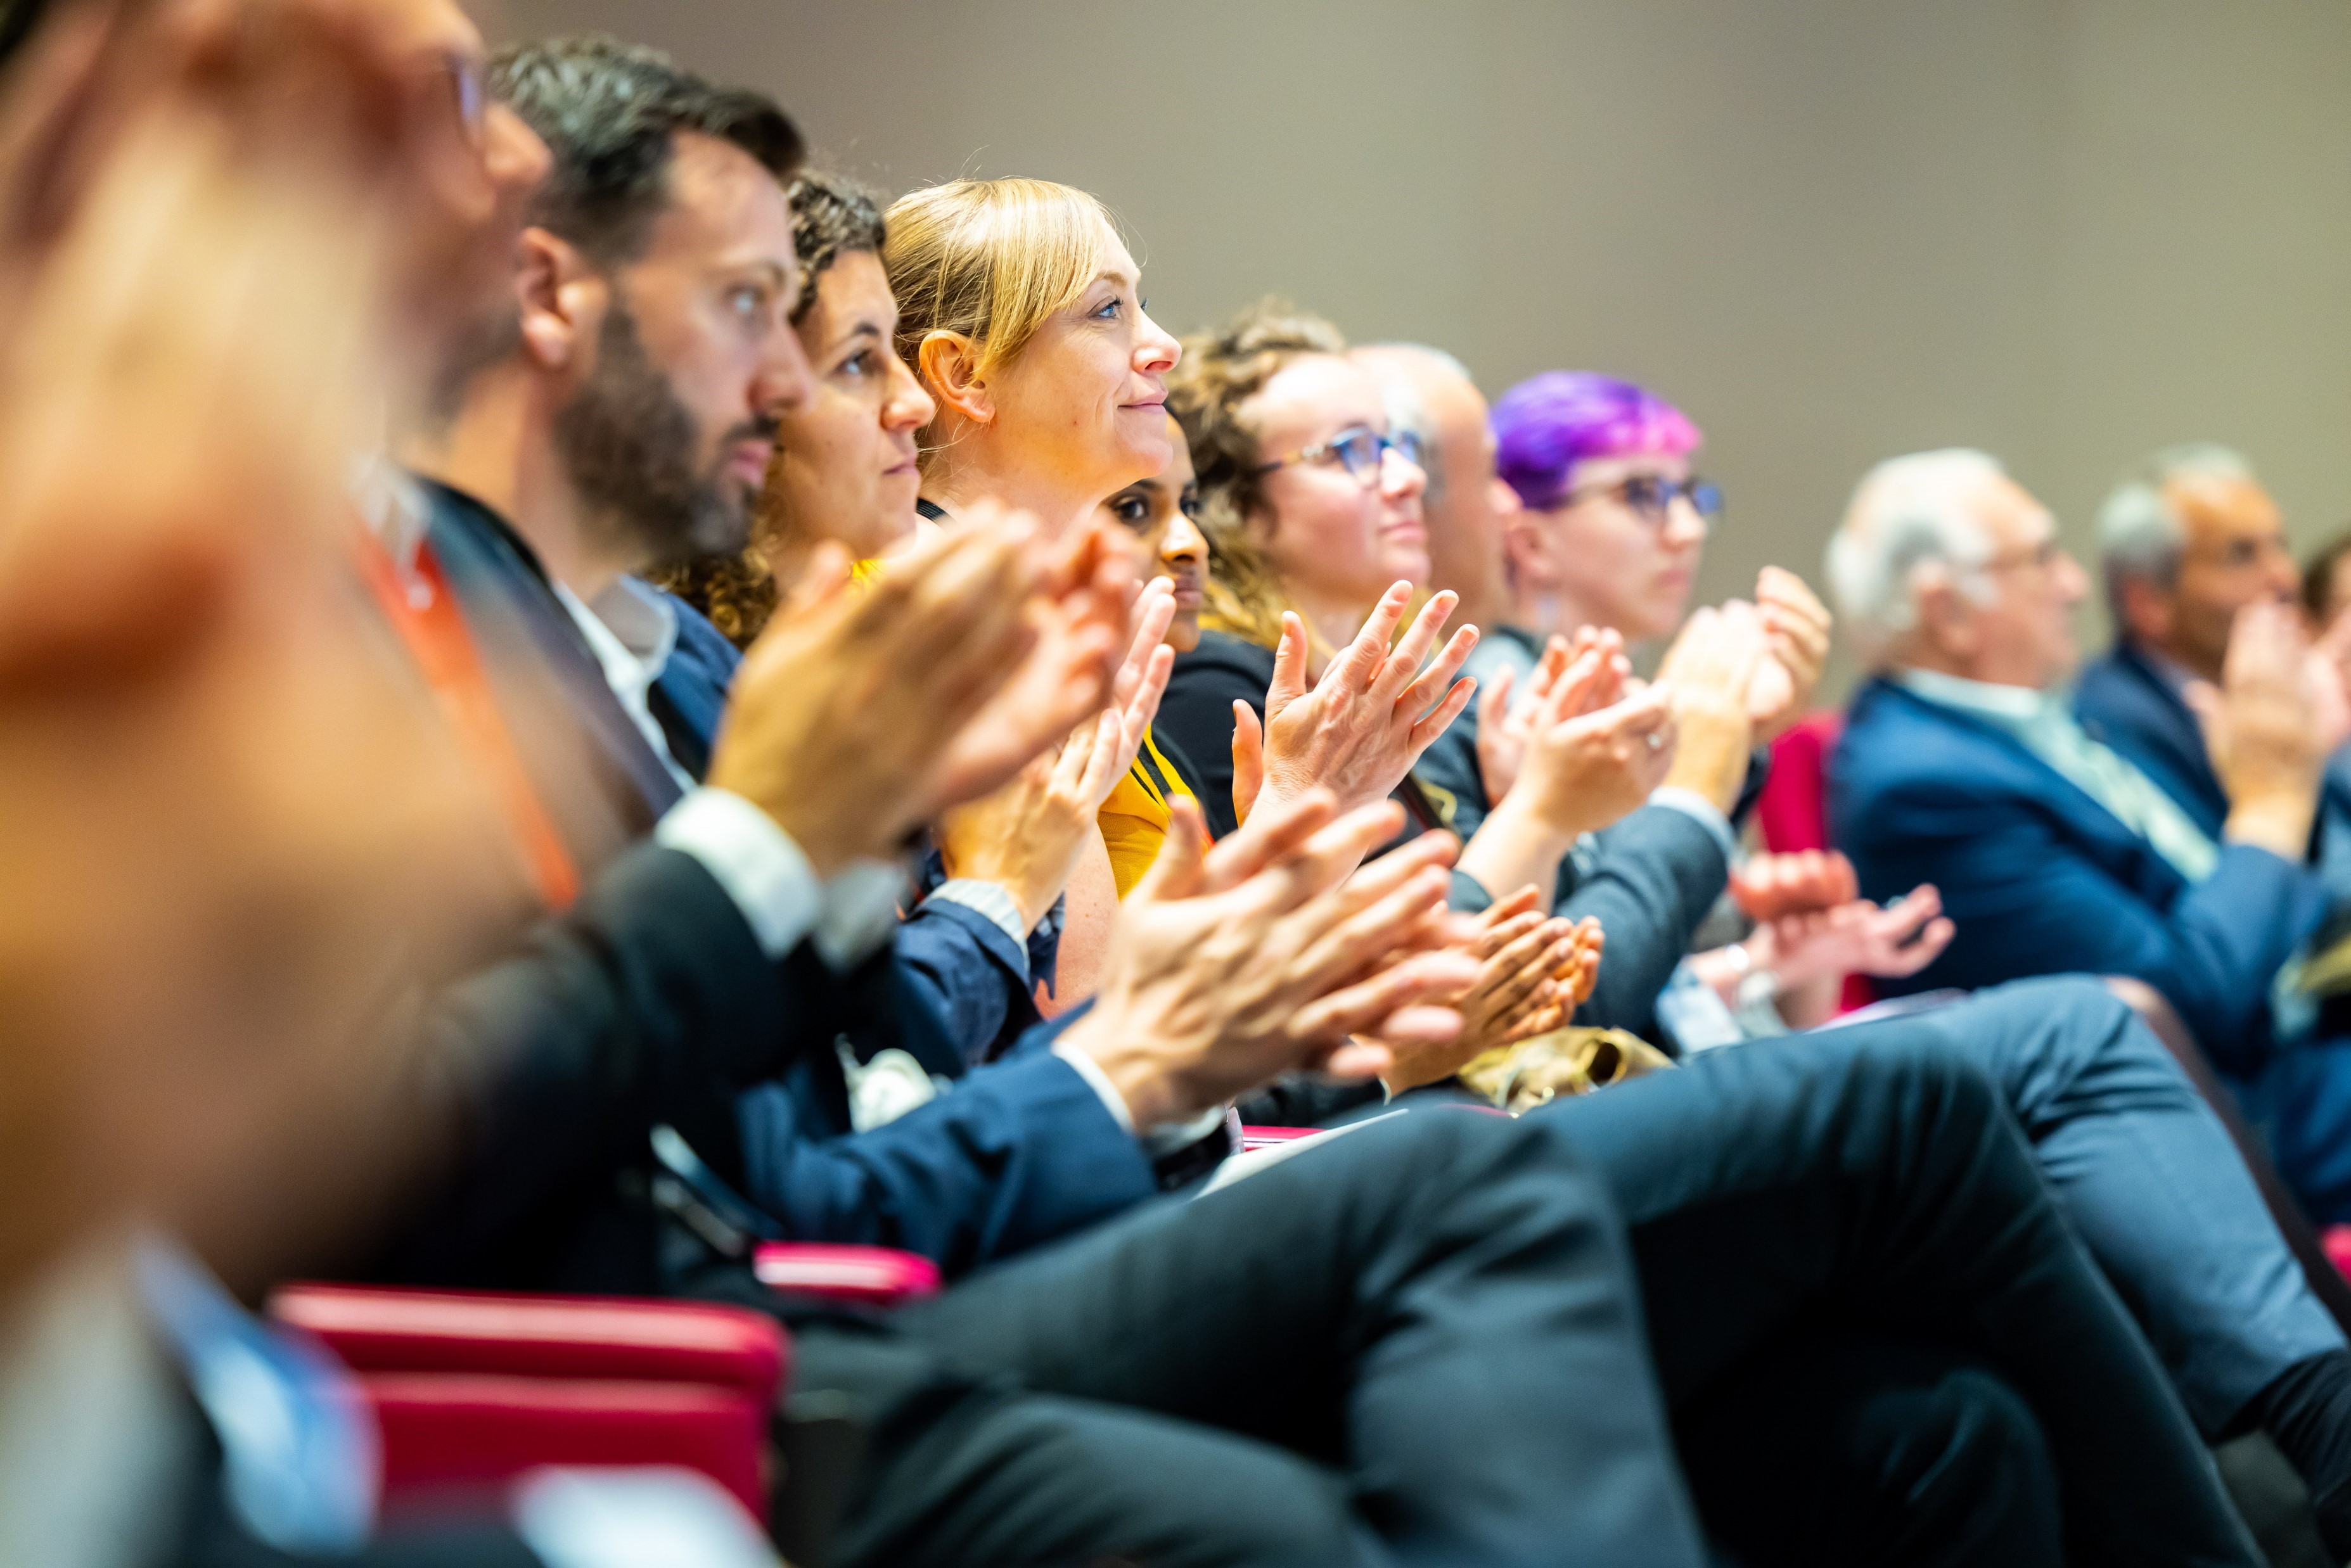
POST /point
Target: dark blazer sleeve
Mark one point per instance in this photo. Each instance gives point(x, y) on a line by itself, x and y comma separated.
point(1652, 880)
point(2028, 901)
point(1020, 1152)
point(554, 1063)
point(969, 976)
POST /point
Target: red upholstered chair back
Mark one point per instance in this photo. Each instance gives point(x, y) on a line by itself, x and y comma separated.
point(473, 1390)
point(1792, 813)
point(878, 1277)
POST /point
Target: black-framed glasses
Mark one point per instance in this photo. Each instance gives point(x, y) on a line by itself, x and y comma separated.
point(1652, 496)
point(1359, 449)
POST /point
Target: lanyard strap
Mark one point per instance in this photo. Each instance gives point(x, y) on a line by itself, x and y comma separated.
point(419, 604)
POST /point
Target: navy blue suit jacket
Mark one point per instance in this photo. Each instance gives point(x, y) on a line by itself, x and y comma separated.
point(2040, 879)
point(2124, 701)
point(1021, 1151)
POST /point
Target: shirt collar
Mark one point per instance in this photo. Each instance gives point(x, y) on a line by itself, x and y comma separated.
point(393, 506)
point(2169, 670)
point(1984, 699)
point(643, 619)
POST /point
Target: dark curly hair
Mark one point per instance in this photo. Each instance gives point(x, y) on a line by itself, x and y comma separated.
point(1221, 372)
point(831, 217)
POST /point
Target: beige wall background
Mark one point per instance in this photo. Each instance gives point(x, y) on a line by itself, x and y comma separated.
point(2062, 230)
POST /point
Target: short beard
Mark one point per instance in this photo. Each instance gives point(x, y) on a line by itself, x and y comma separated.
point(628, 444)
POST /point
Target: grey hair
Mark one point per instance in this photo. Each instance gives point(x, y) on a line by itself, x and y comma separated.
point(2140, 537)
point(1908, 513)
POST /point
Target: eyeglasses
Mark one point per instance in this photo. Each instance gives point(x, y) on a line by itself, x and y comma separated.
point(1360, 449)
point(2041, 556)
point(1652, 496)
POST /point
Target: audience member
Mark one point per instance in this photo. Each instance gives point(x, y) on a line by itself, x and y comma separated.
point(1020, 313)
point(192, 944)
point(1808, 1303)
point(1161, 512)
point(845, 466)
point(1960, 764)
point(1309, 502)
point(2089, 1081)
point(2190, 538)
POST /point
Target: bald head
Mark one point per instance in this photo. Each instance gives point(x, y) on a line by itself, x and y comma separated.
point(1464, 504)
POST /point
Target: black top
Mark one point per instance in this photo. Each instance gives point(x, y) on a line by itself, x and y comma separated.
point(1196, 715)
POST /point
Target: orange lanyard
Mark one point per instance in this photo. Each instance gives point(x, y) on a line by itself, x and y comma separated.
point(438, 637)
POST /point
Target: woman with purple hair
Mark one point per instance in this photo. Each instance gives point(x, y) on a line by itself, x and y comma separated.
point(1613, 517)
point(1611, 522)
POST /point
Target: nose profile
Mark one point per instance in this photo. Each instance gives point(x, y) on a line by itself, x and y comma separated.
point(1156, 351)
point(1400, 475)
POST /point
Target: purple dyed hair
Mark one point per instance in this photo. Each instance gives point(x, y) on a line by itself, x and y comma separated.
point(1544, 426)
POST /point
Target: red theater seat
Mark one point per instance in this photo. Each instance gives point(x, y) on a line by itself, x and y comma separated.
point(866, 1276)
point(473, 1390)
point(1266, 1137)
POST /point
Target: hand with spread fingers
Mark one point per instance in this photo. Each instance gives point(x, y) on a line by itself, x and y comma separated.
point(1360, 728)
point(1813, 928)
point(1796, 627)
point(1026, 838)
point(1855, 938)
point(1506, 724)
point(1234, 965)
point(1585, 765)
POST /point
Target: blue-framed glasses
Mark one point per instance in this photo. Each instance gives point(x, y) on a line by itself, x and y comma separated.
point(1359, 449)
point(1653, 496)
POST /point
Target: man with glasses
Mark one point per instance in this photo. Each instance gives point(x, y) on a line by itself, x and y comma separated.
point(1962, 764)
point(2189, 538)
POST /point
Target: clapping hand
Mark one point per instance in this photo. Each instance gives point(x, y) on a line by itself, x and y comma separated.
point(1026, 837)
point(1709, 673)
point(1360, 728)
point(1796, 634)
point(1505, 725)
point(1533, 973)
point(2262, 728)
point(1231, 966)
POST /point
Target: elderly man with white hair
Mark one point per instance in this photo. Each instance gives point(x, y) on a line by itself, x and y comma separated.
point(1962, 764)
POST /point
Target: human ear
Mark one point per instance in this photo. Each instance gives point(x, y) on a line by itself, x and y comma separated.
point(561, 299)
point(1945, 618)
point(950, 366)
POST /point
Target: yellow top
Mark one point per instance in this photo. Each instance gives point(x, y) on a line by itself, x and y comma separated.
point(1134, 819)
